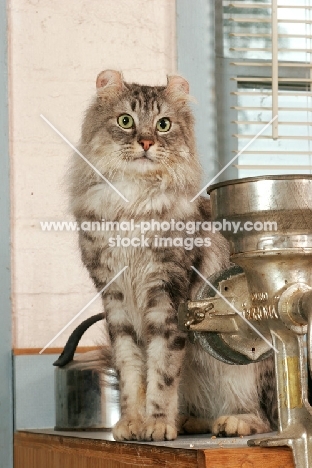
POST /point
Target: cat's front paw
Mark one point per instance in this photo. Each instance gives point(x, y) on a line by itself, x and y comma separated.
point(128, 429)
point(239, 425)
point(159, 429)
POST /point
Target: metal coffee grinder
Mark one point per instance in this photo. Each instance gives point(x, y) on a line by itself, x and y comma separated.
point(271, 287)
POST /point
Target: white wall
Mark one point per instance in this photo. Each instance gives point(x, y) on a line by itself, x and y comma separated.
point(57, 48)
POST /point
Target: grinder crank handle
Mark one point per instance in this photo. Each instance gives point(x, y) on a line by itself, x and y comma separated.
point(305, 305)
point(295, 310)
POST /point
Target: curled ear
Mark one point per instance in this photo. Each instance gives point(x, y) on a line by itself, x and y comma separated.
point(109, 78)
point(178, 84)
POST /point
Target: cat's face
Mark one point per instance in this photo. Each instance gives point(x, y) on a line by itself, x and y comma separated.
point(140, 131)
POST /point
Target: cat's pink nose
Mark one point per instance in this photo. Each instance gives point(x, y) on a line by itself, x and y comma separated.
point(146, 144)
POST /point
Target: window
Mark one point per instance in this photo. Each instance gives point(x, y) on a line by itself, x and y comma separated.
point(264, 68)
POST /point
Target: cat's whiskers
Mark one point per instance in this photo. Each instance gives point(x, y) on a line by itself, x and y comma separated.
point(179, 183)
point(185, 154)
point(116, 162)
point(110, 170)
point(173, 176)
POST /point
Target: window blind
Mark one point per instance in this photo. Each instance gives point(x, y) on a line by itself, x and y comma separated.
point(270, 46)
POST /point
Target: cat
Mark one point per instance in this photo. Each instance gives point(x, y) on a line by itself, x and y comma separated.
point(141, 139)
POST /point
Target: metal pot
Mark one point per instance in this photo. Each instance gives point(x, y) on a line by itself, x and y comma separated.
point(85, 397)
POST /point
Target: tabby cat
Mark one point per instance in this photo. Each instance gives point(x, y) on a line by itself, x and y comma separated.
point(141, 139)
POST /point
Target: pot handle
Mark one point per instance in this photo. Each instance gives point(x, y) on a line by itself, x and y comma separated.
point(69, 349)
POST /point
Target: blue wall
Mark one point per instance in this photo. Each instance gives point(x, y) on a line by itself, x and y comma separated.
point(6, 403)
point(196, 62)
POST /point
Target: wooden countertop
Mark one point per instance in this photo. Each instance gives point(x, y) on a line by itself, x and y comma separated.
point(51, 449)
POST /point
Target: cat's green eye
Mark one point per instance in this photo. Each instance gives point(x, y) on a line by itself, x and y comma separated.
point(125, 121)
point(163, 125)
